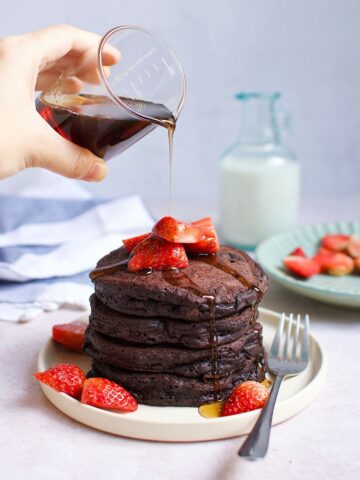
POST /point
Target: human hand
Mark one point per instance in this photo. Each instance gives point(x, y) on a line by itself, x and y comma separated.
point(32, 62)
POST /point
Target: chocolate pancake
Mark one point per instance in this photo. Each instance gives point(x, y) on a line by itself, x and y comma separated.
point(155, 330)
point(174, 359)
point(179, 337)
point(230, 276)
point(165, 389)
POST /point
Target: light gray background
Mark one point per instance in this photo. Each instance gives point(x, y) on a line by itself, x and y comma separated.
point(308, 50)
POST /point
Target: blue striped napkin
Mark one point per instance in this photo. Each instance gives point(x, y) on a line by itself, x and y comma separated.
point(48, 246)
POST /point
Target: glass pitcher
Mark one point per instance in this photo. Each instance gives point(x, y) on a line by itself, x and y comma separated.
point(260, 177)
point(111, 108)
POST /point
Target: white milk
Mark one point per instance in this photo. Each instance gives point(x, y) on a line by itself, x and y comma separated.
point(259, 197)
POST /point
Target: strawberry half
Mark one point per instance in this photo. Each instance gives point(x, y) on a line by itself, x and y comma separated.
point(131, 243)
point(353, 247)
point(157, 254)
point(171, 230)
point(303, 267)
point(245, 397)
point(64, 378)
point(335, 242)
point(102, 393)
point(298, 252)
point(70, 335)
point(334, 263)
point(209, 244)
point(322, 257)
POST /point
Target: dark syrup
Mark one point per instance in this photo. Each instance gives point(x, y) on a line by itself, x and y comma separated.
point(97, 123)
point(108, 269)
point(217, 262)
point(114, 268)
point(214, 345)
point(180, 279)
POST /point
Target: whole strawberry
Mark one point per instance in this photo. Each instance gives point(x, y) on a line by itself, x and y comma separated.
point(245, 397)
point(64, 378)
point(102, 393)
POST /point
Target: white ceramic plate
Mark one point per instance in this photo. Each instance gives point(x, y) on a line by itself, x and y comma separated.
point(344, 291)
point(183, 424)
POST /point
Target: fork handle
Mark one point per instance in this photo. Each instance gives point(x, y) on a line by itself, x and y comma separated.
point(257, 443)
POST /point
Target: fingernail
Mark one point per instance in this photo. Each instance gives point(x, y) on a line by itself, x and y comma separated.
point(98, 172)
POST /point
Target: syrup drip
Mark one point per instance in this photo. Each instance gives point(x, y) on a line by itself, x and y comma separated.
point(214, 345)
point(216, 262)
point(180, 279)
point(108, 269)
point(116, 267)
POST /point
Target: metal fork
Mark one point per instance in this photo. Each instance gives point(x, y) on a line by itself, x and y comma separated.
point(283, 361)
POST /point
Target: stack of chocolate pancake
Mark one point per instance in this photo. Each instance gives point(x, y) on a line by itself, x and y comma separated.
point(180, 337)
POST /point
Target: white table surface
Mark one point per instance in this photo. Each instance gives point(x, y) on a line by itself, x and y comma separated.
point(39, 442)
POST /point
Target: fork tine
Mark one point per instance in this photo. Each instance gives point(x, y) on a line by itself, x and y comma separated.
point(275, 347)
point(287, 336)
point(296, 337)
point(304, 353)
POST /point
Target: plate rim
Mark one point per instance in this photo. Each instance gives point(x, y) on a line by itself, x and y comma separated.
point(309, 391)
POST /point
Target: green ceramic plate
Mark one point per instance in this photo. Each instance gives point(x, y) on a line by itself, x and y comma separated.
point(325, 288)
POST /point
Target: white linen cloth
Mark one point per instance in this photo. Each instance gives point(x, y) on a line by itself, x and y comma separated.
point(44, 264)
point(80, 241)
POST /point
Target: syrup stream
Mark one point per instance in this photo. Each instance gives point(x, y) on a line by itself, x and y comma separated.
point(171, 130)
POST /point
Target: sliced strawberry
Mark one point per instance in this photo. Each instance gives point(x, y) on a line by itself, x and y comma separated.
point(322, 257)
point(303, 267)
point(204, 223)
point(63, 378)
point(335, 242)
point(131, 243)
point(245, 397)
point(102, 393)
point(209, 244)
point(171, 230)
point(336, 264)
point(353, 247)
point(298, 252)
point(70, 335)
point(157, 254)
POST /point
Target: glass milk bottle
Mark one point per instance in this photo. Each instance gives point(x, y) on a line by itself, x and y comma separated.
point(260, 177)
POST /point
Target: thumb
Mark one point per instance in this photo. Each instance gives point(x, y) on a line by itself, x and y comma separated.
point(51, 151)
